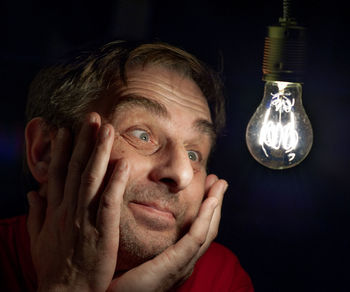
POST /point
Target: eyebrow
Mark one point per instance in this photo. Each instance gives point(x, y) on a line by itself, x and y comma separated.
point(128, 101)
point(206, 127)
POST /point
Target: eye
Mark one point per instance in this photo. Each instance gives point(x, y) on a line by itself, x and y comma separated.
point(141, 134)
point(193, 155)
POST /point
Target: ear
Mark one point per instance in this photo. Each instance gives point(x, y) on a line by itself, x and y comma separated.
point(38, 148)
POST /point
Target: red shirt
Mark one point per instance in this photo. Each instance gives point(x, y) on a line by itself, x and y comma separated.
point(217, 270)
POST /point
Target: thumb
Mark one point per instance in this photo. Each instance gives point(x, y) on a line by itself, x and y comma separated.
point(36, 214)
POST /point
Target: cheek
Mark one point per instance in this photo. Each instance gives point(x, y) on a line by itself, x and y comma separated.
point(138, 164)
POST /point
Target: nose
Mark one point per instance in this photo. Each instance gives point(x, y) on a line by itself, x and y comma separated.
point(173, 168)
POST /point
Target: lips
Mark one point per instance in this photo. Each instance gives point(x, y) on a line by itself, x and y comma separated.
point(156, 207)
point(152, 214)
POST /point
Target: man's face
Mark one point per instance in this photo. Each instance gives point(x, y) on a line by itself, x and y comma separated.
point(163, 128)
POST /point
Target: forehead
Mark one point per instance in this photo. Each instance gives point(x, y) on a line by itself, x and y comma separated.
point(172, 89)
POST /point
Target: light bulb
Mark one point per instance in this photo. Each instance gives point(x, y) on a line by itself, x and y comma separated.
point(279, 134)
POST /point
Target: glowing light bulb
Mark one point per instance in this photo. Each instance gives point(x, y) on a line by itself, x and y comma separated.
point(279, 134)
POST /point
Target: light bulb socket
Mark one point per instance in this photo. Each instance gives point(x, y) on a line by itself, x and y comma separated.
point(284, 53)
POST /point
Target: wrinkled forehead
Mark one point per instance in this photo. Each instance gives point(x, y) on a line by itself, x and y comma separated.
point(171, 87)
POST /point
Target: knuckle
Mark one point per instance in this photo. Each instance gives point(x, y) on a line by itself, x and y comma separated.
point(89, 178)
point(108, 201)
point(75, 166)
point(87, 234)
point(88, 238)
point(199, 239)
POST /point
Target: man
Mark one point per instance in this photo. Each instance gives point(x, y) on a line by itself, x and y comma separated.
point(118, 141)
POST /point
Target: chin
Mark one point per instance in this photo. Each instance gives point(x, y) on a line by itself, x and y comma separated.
point(138, 246)
point(144, 232)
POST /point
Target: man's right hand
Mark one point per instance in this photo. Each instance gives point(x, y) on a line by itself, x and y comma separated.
point(74, 231)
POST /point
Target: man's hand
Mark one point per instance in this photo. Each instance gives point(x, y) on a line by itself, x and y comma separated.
point(74, 233)
point(173, 266)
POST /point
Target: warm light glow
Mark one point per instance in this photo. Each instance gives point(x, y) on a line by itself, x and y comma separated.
point(275, 134)
point(279, 134)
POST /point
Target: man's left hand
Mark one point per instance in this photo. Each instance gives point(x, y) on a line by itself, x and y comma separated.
point(172, 267)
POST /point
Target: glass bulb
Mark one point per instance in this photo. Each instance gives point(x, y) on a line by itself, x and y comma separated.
point(279, 134)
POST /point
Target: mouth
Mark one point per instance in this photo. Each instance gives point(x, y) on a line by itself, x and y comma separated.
point(154, 207)
point(152, 214)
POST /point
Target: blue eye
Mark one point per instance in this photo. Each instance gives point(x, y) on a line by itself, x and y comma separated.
point(141, 134)
point(193, 155)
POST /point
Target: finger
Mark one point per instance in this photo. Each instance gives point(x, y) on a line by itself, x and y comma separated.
point(81, 154)
point(36, 215)
point(58, 167)
point(210, 180)
point(218, 190)
point(205, 227)
point(110, 204)
point(107, 225)
point(95, 171)
point(197, 234)
point(188, 246)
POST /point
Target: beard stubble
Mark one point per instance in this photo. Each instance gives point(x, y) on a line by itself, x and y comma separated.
point(139, 243)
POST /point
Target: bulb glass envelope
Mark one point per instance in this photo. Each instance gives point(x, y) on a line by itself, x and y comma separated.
point(279, 134)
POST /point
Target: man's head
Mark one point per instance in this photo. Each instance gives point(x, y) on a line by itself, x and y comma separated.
point(166, 108)
point(62, 94)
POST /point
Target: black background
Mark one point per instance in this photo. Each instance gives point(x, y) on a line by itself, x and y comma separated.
point(289, 228)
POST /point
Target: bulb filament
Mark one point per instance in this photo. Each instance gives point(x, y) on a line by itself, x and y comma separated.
point(276, 135)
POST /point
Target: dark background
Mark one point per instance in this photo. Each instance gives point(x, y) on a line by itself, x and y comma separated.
point(289, 228)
